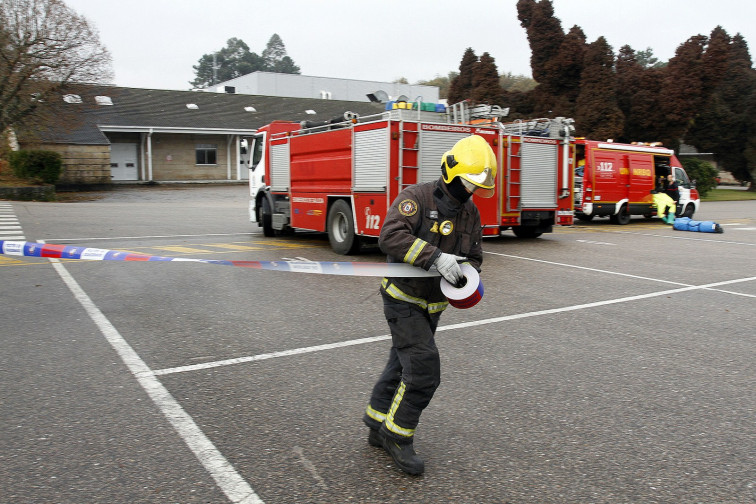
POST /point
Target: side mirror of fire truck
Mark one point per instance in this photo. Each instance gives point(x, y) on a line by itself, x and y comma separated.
point(244, 152)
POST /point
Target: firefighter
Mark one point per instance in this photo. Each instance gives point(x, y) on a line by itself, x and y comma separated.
point(429, 224)
point(673, 189)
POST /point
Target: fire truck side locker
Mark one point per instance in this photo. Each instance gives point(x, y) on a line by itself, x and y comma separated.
point(372, 162)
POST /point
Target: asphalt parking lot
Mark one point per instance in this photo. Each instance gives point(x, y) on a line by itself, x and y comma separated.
point(605, 364)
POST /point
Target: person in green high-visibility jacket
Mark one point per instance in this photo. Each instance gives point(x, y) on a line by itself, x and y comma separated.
point(665, 207)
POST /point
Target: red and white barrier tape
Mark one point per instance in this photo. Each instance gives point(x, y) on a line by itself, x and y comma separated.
point(462, 297)
point(30, 249)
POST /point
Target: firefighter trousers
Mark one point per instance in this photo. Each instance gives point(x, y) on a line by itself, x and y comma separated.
point(412, 373)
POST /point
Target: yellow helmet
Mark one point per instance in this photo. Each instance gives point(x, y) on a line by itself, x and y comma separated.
point(473, 161)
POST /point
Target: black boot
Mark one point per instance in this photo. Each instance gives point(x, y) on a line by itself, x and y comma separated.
point(375, 438)
point(404, 456)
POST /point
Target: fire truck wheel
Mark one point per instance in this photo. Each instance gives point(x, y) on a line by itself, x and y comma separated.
point(341, 233)
point(689, 210)
point(526, 232)
point(584, 217)
point(622, 217)
point(267, 219)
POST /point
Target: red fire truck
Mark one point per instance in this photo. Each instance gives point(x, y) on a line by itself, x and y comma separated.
point(615, 180)
point(341, 177)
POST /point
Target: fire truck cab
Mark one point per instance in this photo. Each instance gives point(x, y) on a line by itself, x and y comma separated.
point(615, 180)
point(341, 176)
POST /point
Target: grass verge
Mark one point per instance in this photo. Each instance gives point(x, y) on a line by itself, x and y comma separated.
point(729, 195)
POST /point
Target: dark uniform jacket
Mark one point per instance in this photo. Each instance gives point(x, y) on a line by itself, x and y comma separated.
point(423, 221)
point(673, 191)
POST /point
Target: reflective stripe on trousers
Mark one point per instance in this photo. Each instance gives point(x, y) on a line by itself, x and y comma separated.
point(396, 293)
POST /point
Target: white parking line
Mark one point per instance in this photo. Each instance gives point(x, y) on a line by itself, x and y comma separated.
point(614, 273)
point(592, 242)
point(594, 304)
point(728, 242)
point(272, 355)
point(495, 320)
point(225, 475)
point(575, 266)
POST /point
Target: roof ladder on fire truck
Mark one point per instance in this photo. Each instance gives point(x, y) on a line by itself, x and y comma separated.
point(463, 113)
point(514, 171)
point(409, 152)
point(541, 127)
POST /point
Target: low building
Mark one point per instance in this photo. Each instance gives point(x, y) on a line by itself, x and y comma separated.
point(113, 134)
point(325, 88)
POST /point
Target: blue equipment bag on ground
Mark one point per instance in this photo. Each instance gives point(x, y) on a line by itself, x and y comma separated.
point(681, 224)
point(687, 224)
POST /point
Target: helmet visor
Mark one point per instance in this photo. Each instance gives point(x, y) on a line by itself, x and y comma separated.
point(483, 179)
point(483, 192)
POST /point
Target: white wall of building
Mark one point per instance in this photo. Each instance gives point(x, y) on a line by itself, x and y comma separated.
point(305, 86)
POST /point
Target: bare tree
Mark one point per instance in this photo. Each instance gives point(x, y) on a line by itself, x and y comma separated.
point(44, 48)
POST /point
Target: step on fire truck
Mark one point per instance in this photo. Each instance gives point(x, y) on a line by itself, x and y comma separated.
point(341, 176)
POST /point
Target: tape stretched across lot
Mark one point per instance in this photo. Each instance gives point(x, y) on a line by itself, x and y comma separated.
point(30, 249)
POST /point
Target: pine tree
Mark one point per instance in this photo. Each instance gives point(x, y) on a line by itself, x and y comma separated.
point(724, 125)
point(647, 122)
point(638, 86)
point(545, 34)
point(646, 59)
point(562, 74)
point(597, 114)
point(681, 95)
point(745, 91)
point(230, 62)
point(556, 58)
point(629, 75)
point(275, 57)
point(486, 88)
point(236, 60)
point(749, 153)
point(461, 86)
point(715, 59)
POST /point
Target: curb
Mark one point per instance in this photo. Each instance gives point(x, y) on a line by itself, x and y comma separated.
point(28, 193)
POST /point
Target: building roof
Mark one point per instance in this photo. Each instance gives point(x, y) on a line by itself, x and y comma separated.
point(90, 111)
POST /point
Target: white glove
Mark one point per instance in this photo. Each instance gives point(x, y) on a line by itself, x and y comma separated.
point(446, 264)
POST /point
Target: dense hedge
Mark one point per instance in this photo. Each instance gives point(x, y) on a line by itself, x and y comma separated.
point(46, 166)
point(703, 173)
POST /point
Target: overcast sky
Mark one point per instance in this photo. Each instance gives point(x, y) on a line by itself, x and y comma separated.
point(155, 43)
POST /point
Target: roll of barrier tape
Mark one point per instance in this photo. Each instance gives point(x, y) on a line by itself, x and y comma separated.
point(468, 294)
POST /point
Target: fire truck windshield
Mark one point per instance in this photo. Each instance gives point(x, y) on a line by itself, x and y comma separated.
point(258, 143)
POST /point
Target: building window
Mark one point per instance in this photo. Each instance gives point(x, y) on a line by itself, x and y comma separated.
point(206, 154)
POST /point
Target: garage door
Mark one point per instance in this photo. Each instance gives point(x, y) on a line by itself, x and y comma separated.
point(123, 161)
